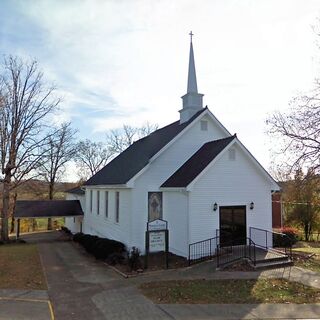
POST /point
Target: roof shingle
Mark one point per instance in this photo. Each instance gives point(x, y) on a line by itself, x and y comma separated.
point(194, 165)
point(76, 190)
point(128, 163)
point(47, 208)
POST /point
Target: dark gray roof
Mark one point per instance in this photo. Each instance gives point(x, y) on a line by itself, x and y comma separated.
point(194, 165)
point(128, 163)
point(76, 190)
point(47, 208)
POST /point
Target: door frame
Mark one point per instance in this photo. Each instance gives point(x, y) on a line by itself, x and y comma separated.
point(234, 207)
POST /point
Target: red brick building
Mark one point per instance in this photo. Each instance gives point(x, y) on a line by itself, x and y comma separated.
point(276, 210)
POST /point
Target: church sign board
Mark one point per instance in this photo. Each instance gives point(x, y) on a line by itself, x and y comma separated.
point(157, 238)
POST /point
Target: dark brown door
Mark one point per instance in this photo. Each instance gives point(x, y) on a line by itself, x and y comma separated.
point(233, 229)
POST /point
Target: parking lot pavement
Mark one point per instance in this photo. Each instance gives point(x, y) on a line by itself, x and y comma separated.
point(25, 309)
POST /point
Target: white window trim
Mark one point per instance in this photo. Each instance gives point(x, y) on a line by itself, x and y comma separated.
point(98, 202)
point(91, 200)
point(106, 204)
point(117, 207)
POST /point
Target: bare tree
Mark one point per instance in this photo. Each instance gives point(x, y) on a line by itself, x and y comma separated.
point(91, 157)
point(26, 102)
point(58, 151)
point(120, 139)
point(297, 132)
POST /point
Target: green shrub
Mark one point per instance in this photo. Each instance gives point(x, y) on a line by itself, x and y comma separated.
point(66, 230)
point(286, 237)
point(77, 237)
point(89, 241)
point(101, 248)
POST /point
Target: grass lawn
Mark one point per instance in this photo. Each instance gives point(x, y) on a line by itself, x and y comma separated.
point(312, 264)
point(20, 267)
point(305, 249)
point(230, 291)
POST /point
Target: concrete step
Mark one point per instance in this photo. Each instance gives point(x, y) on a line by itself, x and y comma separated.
point(271, 260)
point(273, 264)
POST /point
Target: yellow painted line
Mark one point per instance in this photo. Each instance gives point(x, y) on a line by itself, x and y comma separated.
point(32, 300)
point(51, 310)
point(22, 299)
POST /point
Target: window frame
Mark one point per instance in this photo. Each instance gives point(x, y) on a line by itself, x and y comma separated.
point(106, 202)
point(204, 125)
point(91, 200)
point(117, 206)
point(98, 202)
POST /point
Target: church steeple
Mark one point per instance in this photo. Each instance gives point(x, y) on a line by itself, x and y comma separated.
point(192, 100)
point(192, 78)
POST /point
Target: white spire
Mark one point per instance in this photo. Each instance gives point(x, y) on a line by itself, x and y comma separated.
point(192, 78)
point(192, 100)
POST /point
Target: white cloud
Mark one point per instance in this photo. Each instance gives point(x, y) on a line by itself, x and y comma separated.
point(126, 61)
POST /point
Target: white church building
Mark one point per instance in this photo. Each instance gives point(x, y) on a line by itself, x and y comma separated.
point(193, 173)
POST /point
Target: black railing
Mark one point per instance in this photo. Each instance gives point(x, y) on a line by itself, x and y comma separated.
point(273, 241)
point(230, 253)
point(203, 250)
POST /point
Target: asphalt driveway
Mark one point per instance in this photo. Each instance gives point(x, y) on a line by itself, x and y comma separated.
point(79, 287)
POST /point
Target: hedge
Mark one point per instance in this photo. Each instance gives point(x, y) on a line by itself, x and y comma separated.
point(101, 248)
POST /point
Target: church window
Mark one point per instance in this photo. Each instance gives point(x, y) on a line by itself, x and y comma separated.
point(107, 203)
point(204, 125)
point(98, 202)
point(232, 154)
point(91, 196)
point(117, 206)
point(154, 205)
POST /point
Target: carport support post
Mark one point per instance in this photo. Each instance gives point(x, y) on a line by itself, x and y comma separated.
point(18, 228)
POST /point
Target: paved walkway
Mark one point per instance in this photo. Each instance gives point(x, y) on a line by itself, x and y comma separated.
point(85, 289)
point(82, 288)
point(25, 305)
point(206, 270)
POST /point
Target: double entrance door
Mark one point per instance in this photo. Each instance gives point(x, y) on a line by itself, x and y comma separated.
point(233, 227)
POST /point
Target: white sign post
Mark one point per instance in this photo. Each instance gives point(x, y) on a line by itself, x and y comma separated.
point(157, 241)
point(157, 238)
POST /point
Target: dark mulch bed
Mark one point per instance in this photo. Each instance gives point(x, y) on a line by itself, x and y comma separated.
point(156, 261)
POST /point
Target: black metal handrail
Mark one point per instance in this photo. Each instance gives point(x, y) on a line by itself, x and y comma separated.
point(230, 253)
point(271, 240)
point(202, 250)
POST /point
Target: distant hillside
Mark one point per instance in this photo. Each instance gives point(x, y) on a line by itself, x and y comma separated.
point(39, 189)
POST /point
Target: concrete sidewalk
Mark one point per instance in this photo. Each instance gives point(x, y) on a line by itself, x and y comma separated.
point(205, 270)
point(25, 305)
point(242, 311)
point(82, 288)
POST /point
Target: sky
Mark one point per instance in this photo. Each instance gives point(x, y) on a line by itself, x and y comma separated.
point(126, 61)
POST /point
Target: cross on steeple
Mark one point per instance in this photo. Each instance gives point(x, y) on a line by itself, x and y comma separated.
point(191, 35)
point(192, 100)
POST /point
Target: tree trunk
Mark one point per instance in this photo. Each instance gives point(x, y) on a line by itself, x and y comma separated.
point(34, 224)
point(13, 211)
point(12, 224)
point(5, 208)
point(51, 188)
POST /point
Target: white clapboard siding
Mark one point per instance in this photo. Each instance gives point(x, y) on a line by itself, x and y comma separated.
point(99, 224)
point(175, 208)
point(74, 224)
point(162, 168)
point(228, 183)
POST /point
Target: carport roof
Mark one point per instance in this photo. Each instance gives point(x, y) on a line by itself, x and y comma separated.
point(47, 208)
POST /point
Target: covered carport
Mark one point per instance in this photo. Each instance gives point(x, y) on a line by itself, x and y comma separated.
point(33, 209)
